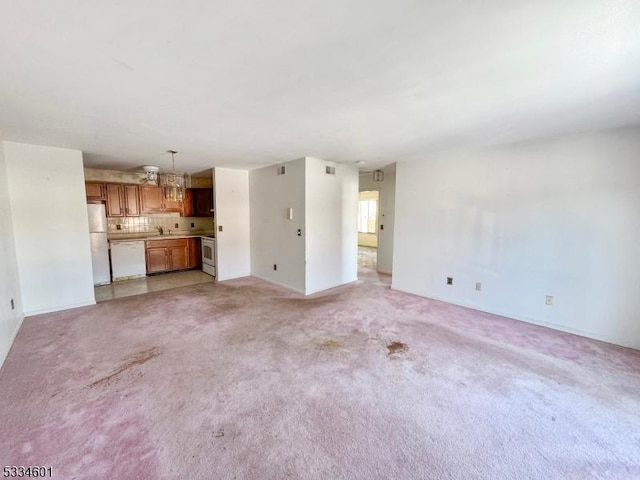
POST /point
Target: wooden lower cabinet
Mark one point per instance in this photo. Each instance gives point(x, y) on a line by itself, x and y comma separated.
point(157, 259)
point(167, 255)
point(195, 253)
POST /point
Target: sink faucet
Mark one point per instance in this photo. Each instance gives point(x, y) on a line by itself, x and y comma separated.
point(160, 230)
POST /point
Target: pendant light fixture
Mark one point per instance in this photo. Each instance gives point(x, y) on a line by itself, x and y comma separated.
point(173, 182)
point(378, 176)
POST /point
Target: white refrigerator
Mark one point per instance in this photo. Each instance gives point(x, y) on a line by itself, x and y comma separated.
point(99, 244)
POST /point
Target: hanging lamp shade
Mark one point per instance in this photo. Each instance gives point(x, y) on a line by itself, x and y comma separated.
point(174, 183)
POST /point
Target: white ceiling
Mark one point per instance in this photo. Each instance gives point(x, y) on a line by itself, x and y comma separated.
point(248, 83)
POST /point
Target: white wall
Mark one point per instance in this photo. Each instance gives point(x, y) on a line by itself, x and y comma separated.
point(50, 227)
point(368, 240)
point(554, 217)
point(233, 244)
point(274, 238)
point(10, 318)
point(331, 236)
point(387, 189)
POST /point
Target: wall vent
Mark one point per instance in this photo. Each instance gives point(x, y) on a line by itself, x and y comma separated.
point(282, 170)
point(330, 170)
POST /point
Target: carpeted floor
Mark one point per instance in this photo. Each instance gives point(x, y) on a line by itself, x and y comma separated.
point(367, 257)
point(245, 380)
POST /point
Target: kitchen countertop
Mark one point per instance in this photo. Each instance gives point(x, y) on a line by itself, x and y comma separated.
point(150, 236)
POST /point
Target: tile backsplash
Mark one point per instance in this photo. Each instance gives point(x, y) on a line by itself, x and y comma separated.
point(150, 224)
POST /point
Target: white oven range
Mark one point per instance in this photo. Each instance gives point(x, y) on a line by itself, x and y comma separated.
point(209, 255)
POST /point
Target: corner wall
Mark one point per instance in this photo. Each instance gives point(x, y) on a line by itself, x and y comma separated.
point(331, 237)
point(274, 238)
point(10, 318)
point(557, 216)
point(50, 227)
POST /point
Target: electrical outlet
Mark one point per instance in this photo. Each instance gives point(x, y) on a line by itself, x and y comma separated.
point(449, 280)
point(219, 228)
point(478, 286)
point(118, 227)
point(548, 300)
point(176, 225)
point(13, 305)
point(193, 225)
point(275, 267)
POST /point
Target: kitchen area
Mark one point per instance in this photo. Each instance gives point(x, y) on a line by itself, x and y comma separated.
point(145, 237)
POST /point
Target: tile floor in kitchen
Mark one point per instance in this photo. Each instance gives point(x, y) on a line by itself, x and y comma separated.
point(152, 283)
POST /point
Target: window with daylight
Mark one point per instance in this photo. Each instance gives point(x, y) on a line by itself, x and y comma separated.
point(367, 216)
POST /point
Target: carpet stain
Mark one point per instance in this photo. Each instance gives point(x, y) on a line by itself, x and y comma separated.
point(397, 347)
point(331, 345)
point(134, 361)
point(225, 307)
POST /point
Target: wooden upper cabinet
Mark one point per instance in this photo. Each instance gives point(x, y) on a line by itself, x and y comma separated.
point(187, 203)
point(202, 202)
point(95, 192)
point(170, 206)
point(122, 200)
point(152, 201)
point(132, 200)
point(198, 202)
point(115, 200)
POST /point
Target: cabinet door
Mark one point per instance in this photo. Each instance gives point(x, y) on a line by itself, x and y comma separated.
point(203, 202)
point(115, 200)
point(157, 260)
point(170, 206)
point(95, 192)
point(150, 199)
point(179, 256)
point(132, 200)
point(187, 203)
point(194, 252)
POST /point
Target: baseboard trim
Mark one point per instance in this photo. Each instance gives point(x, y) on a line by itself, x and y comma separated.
point(288, 287)
point(521, 318)
point(58, 308)
point(13, 339)
point(242, 275)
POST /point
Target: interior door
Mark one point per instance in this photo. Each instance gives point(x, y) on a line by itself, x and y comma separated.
point(231, 190)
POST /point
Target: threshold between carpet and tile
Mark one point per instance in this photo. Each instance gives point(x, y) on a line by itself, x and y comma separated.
point(246, 380)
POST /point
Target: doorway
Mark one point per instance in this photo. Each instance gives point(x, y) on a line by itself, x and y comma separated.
point(368, 207)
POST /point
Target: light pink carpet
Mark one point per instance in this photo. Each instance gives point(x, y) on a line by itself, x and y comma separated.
point(244, 380)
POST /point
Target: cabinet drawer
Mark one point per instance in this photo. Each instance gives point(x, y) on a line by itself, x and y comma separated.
point(167, 242)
